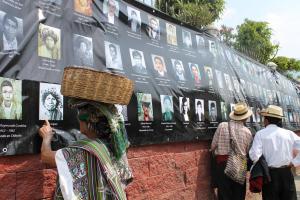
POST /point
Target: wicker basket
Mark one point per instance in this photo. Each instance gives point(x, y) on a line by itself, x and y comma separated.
point(84, 83)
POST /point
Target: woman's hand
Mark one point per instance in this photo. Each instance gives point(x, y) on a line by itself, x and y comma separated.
point(46, 131)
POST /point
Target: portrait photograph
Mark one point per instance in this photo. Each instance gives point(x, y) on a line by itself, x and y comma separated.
point(84, 7)
point(224, 111)
point(145, 107)
point(134, 19)
point(228, 82)
point(199, 110)
point(184, 106)
point(137, 61)
point(187, 39)
point(195, 72)
point(253, 116)
point(83, 50)
point(209, 76)
point(122, 111)
point(212, 110)
point(212, 47)
point(49, 42)
point(11, 99)
point(111, 11)
point(200, 42)
point(51, 102)
point(113, 56)
point(178, 69)
point(153, 28)
point(159, 66)
point(167, 109)
point(11, 32)
point(171, 34)
point(219, 76)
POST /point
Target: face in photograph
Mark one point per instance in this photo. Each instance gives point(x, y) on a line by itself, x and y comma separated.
point(167, 107)
point(12, 31)
point(83, 50)
point(220, 79)
point(178, 69)
point(209, 76)
point(122, 111)
point(224, 111)
point(137, 61)
point(134, 19)
point(113, 56)
point(199, 109)
point(171, 34)
point(212, 47)
point(153, 29)
point(200, 42)
point(11, 99)
point(212, 111)
point(145, 110)
point(49, 42)
point(195, 72)
point(83, 6)
point(159, 65)
point(111, 11)
point(187, 39)
point(257, 115)
point(51, 102)
point(184, 105)
point(228, 82)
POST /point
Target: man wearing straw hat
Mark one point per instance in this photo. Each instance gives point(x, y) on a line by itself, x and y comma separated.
point(276, 145)
point(227, 188)
point(95, 167)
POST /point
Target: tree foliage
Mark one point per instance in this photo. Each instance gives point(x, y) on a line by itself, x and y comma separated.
point(227, 36)
point(198, 13)
point(256, 37)
point(286, 64)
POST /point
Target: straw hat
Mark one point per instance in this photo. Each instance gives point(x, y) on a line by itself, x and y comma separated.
point(89, 84)
point(240, 112)
point(272, 111)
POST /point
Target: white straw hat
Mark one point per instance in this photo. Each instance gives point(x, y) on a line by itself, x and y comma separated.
point(240, 112)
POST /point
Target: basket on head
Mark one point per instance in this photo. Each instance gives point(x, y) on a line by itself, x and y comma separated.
point(85, 83)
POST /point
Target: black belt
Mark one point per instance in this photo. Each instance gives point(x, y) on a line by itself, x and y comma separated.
point(281, 167)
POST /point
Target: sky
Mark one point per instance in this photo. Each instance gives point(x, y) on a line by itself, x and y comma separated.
point(283, 17)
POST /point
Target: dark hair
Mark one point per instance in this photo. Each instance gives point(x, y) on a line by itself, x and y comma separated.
point(159, 58)
point(176, 62)
point(8, 16)
point(183, 100)
point(54, 94)
point(6, 83)
point(113, 46)
point(136, 53)
point(80, 40)
point(46, 32)
point(199, 103)
point(212, 104)
point(167, 98)
point(274, 120)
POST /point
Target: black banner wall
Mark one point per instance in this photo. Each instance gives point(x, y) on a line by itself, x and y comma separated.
point(185, 81)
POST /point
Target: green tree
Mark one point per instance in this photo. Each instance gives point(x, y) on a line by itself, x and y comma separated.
point(227, 36)
point(198, 13)
point(286, 64)
point(256, 37)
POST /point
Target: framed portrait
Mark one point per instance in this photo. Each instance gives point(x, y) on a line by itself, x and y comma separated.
point(167, 109)
point(178, 69)
point(145, 107)
point(184, 106)
point(212, 110)
point(83, 50)
point(171, 34)
point(49, 42)
point(159, 65)
point(137, 61)
point(199, 110)
point(113, 56)
point(134, 19)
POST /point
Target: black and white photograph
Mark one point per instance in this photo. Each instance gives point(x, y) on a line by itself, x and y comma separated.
point(138, 61)
point(113, 56)
point(187, 39)
point(11, 99)
point(49, 42)
point(195, 72)
point(159, 66)
point(11, 32)
point(209, 76)
point(122, 111)
point(224, 111)
point(153, 28)
point(212, 47)
point(212, 111)
point(171, 34)
point(220, 81)
point(83, 50)
point(200, 43)
point(111, 11)
point(199, 110)
point(134, 19)
point(228, 82)
point(178, 69)
point(51, 102)
point(167, 109)
point(184, 106)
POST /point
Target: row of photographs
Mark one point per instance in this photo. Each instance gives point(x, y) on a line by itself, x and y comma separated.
point(51, 105)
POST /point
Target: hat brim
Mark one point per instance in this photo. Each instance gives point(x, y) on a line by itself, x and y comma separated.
point(271, 115)
point(240, 117)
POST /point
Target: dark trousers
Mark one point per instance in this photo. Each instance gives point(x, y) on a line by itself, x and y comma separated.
point(282, 185)
point(227, 188)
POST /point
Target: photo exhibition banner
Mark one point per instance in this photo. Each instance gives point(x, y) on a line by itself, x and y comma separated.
point(186, 82)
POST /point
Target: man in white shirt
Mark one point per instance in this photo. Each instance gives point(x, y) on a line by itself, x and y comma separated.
point(10, 28)
point(276, 145)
